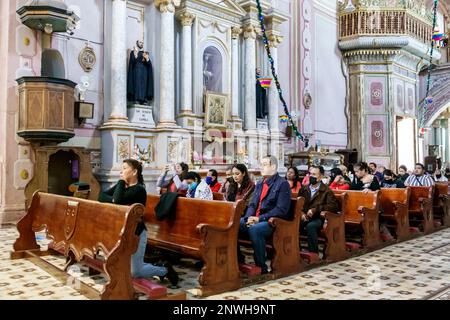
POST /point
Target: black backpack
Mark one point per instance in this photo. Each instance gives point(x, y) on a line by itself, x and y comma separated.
point(167, 206)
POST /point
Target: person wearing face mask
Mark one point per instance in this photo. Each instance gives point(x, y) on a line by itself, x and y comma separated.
point(438, 176)
point(212, 182)
point(272, 198)
point(318, 198)
point(390, 182)
point(130, 190)
point(198, 188)
point(402, 174)
point(419, 178)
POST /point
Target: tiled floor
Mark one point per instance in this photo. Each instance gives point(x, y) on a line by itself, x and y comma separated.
point(417, 269)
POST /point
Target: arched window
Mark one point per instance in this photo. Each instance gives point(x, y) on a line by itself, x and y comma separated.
point(212, 70)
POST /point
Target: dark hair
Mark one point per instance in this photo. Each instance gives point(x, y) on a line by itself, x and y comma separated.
point(350, 168)
point(374, 164)
point(419, 164)
point(297, 179)
point(185, 169)
point(214, 174)
point(403, 167)
point(388, 172)
point(362, 166)
point(336, 172)
point(191, 175)
point(233, 188)
point(321, 169)
point(136, 165)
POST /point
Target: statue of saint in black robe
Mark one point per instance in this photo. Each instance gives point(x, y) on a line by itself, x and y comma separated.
point(140, 79)
point(261, 101)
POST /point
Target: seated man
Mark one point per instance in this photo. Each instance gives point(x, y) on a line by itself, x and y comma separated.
point(419, 178)
point(271, 198)
point(318, 198)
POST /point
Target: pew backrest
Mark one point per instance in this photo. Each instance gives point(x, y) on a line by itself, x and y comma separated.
point(356, 200)
point(218, 196)
point(418, 193)
point(389, 195)
point(440, 189)
point(189, 214)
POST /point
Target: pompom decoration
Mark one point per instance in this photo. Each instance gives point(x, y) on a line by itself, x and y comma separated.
point(429, 100)
point(284, 119)
point(265, 82)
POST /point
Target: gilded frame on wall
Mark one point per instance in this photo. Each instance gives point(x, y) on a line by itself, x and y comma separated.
point(216, 110)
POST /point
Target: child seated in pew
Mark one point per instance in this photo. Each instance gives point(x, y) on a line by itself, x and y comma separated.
point(212, 181)
point(130, 190)
point(197, 188)
point(318, 198)
point(338, 182)
point(242, 187)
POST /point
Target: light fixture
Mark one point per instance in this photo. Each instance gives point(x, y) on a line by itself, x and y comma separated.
point(48, 28)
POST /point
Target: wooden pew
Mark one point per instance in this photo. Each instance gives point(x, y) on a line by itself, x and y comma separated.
point(218, 196)
point(205, 230)
point(80, 229)
point(441, 203)
point(362, 209)
point(285, 242)
point(421, 206)
point(334, 232)
point(395, 205)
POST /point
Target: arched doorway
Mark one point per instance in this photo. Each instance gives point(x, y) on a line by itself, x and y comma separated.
point(63, 170)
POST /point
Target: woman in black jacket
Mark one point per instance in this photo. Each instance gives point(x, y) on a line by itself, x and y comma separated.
point(130, 190)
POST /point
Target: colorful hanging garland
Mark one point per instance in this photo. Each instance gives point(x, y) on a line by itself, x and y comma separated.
point(287, 117)
point(428, 99)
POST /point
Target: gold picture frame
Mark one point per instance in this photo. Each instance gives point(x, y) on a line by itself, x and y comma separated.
point(217, 108)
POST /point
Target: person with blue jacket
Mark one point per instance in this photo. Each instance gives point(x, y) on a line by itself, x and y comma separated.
point(271, 198)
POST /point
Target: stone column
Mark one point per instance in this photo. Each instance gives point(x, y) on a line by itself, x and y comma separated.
point(250, 77)
point(119, 62)
point(186, 64)
point(167, 60)
point(235, 34)
point(274, 98)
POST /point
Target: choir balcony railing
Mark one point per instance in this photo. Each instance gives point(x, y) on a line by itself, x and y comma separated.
point(382, 18)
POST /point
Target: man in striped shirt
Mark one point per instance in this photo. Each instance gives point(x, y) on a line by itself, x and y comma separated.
point(419, 178)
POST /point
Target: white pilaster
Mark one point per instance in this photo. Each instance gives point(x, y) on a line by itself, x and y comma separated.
point(235, 33)
point(119, 62)
point(186, 65)
point(274, 98)
point(250, 77)
point(167, 59)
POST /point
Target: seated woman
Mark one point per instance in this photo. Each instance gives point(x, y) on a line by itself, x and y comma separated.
point(338, 182)
point(130, 190)
point(241, 187)
point(197, 188)
point(212, 181)
point(177, 181)
point(389, 180)
point(293, 177)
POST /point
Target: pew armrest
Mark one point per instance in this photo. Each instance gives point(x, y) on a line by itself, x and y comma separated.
point(204, 227)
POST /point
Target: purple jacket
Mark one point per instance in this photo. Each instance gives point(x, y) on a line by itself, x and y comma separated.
point(276, 203)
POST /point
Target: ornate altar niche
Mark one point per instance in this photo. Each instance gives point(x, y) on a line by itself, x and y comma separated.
point(56, 169)
point(304, 159)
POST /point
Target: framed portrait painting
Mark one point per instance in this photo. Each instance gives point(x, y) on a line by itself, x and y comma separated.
point(216, 110)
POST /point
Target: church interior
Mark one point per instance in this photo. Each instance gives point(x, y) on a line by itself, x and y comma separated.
point(230, 149)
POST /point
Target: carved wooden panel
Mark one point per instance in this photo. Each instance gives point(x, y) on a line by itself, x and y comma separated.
point(55, 110)
point(35, 112)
